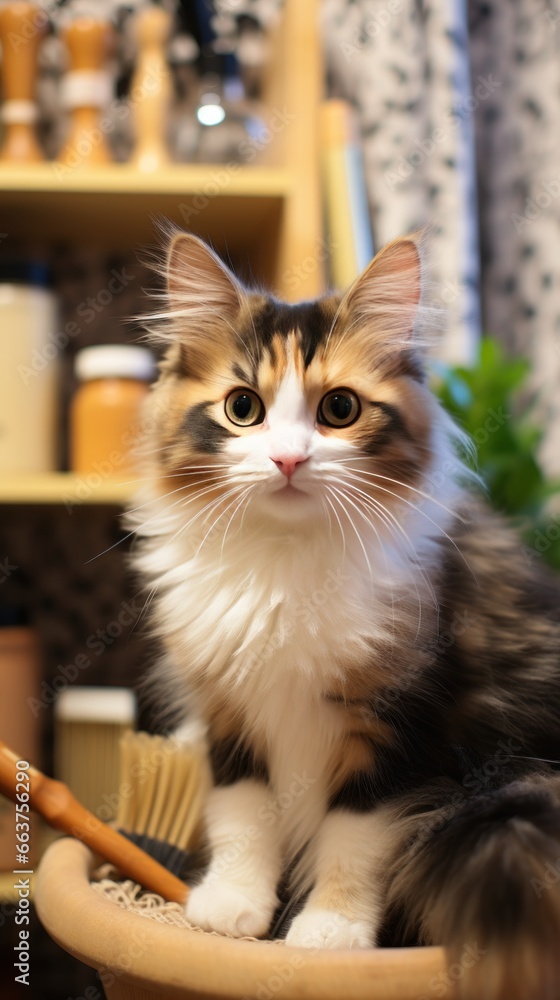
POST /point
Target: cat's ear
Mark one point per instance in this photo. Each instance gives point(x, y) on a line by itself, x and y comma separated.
point(203, 300)
point(386, 296)
point(199, 285)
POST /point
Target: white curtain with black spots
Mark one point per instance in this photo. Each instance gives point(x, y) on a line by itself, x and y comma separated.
point(459, 107)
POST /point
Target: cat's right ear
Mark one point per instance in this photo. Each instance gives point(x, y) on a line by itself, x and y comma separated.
point(203, 301)
point(199, 285)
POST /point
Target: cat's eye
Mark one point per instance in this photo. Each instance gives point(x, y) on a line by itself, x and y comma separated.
point(244, 408)
point(339, 408)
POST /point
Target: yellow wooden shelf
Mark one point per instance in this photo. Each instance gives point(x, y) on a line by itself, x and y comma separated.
point(215, 179)
point(65, 488)
point(229, 204)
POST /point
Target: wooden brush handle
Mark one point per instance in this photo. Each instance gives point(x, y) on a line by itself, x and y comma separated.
point(54, 801)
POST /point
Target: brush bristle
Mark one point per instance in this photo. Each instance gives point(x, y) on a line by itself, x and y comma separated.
point(164, 782)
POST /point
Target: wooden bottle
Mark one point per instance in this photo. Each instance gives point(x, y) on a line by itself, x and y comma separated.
point(85, 92)
point(150, 91)
point(21, 28)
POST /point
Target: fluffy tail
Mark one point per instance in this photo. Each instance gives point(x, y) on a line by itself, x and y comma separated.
point(487, 886)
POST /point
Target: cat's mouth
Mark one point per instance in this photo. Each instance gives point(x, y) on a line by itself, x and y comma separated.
point(290, 490)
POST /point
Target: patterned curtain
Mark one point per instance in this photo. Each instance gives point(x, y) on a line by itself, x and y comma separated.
point(459, 108)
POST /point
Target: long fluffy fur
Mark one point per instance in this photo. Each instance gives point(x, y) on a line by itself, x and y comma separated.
point(375, 665)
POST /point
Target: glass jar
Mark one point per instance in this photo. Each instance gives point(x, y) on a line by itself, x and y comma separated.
point(106, 408)
point(29, 369)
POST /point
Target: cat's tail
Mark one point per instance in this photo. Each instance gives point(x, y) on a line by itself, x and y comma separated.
point(486, 884)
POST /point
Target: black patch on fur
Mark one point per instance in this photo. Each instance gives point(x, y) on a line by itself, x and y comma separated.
point(206, 434)
point(358, 794)
point(312, 319)
point(242, 375)
point(393, 427)
point(470, 880)
point(232, 760)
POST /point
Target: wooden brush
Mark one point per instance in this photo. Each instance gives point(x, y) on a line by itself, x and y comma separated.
point(56, 804)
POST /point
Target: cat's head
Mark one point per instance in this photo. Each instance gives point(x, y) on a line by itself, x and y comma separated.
point(291, 411)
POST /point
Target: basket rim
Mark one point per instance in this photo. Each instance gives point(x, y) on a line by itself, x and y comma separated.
point(124, 944)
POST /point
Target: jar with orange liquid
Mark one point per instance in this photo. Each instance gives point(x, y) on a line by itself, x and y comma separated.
point(105, 411)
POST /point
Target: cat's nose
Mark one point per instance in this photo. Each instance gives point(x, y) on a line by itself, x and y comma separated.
point(288, 464)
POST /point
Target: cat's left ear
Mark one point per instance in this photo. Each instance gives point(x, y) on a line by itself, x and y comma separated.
point(386, 296)
point(203, 298)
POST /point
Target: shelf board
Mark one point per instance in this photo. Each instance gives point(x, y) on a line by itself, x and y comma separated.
point(232, 179)
point(117, 203)
point(66, 488)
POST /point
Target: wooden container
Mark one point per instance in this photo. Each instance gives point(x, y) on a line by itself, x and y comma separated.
point(142, 959)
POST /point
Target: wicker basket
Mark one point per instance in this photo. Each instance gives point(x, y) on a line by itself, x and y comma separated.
point(142, 959)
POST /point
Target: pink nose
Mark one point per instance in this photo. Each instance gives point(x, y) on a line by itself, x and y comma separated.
point(287, 464)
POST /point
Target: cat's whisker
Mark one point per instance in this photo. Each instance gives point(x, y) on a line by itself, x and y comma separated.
point(378, 510)
point(235, 492)
point(398, 526)
point(413, 506)
point(145, 523)
point(396, 482)
point(209, 507)
point(184, 501)
point(149, 598)
point(244, 494)
point(325, 509)
point(370, 523)
point(342, 535)
point(215, 480)
point(334, 491)
point(419, 510)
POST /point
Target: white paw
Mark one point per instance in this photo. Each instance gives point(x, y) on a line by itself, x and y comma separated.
point(328, 929)
point(217, 906)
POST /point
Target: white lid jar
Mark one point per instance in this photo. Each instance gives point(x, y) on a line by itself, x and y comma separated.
point(105, 415)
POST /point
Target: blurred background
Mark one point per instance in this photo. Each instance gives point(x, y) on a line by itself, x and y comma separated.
point(297, 137)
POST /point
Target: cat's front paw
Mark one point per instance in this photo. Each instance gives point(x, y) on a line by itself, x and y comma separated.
point(328, 929)
point(217, 906)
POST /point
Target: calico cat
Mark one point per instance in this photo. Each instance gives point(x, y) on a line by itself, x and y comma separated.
point(373, 661)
